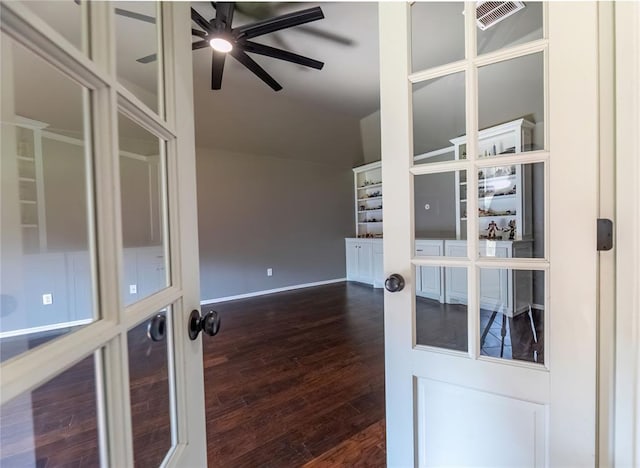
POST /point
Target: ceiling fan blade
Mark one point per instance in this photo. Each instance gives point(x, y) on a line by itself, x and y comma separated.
point(224, 15)
point(199, 45)
point(197, 32)
point(148, 58)
point(279, 22)
point(242, 57)
point(134, 15)
point(200, 21)
point(282, 55)
point(326, 35)
point(217, 67)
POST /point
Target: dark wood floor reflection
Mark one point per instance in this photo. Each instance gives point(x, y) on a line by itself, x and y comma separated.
point(297, 378)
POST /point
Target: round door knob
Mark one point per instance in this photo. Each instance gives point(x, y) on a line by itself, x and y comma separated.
point(209, 323)
point(394, 283)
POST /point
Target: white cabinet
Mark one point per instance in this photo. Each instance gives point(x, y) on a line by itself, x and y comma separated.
point(365, 261)
point(368, 200)
point(508, 292)
point(429, 280)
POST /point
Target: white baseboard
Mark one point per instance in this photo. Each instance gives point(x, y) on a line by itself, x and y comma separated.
point(44, 328)
point(270, 291)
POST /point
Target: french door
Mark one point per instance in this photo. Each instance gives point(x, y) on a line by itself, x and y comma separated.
point(489, 153)
point(99, 245)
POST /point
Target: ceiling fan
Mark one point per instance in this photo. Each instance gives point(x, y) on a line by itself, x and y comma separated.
point(224, 39)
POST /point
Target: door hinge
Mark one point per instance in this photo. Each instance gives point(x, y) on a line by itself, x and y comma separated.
point(605, 234)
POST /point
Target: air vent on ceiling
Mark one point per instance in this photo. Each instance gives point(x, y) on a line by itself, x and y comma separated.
point(490, 13)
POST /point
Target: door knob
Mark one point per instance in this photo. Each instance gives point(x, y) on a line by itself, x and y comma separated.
point(394, 283)
point(157, 328)
point(208, 323)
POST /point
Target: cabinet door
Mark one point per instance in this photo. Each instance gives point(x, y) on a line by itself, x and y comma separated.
point(351, 252)
point(378, 265)
point(455, 278)
point(429, 279)
point(365, 263)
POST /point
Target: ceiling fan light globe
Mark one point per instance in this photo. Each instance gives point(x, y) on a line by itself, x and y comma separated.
point(221, 45)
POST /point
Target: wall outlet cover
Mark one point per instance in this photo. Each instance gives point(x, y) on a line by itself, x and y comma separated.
point(269, 271)
point(133, 289)
point(47, 299)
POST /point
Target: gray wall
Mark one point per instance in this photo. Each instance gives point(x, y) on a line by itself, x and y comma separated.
point(257, 212)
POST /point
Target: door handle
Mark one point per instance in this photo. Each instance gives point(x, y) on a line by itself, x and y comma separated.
point(394, 283)
point(208, 323)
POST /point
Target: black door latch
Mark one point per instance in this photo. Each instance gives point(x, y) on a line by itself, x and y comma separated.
point(605, 234)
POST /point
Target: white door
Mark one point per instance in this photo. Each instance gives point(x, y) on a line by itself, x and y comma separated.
point(99, 241)
point(467, 384)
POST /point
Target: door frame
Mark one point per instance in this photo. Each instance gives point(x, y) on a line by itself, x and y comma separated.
point(625, 390)
point(106, 338)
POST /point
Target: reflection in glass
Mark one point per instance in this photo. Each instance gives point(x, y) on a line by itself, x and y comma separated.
point(441, 307)
point(440, 202)
point(149, 392)
point(136, 60)
point(512, 314)
point(522, 26)
point(511, 210)
point(142, 185)
point(437, 34)
point(68, 18)
point(438, 117)
point(511, 106)
point(46, 285)
point(53, 425)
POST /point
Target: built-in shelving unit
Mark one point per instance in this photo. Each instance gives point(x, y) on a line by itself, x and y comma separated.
point(503, 191)
point(31, 184)
point(368, 200)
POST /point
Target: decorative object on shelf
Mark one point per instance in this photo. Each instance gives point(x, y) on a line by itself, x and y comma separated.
point(511, 229)
point(491, 230)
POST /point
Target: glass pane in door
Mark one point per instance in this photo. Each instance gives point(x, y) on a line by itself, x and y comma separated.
point(54, 425)
point(150, 389)
point(47, 254)
point(144, 212)
point(137, 60)
point(68, 18)
point(511, 215)
point(439, 119)
point(512, 324)
point(507, 24)
point(511, 106)
point(432, 25)
point(441, 307)
point(440, 208)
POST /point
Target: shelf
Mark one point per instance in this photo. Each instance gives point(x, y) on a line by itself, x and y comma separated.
point(502, 177)
point(379, 184)
point(498, 216)
point(29, 225)
point(28, 202)
point(463, 183)
point(26, 179)
point(24, 158)
point(371, 222)
point(498, 197)
point(369, 199)
point(463, 200)
point(369, 211)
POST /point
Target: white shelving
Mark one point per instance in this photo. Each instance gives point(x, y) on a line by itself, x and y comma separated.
point(31, 184)
point(367, 182)
point(503, 191)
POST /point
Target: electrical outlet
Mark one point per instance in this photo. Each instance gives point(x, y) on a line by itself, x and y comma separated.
point(133, 289)
point(269, 271)
point(47, 299)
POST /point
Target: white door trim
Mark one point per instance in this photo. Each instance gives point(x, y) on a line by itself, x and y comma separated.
point(627, 335)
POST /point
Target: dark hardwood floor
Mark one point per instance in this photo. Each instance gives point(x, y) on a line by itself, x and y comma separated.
point(297, 378)
point(293, 379)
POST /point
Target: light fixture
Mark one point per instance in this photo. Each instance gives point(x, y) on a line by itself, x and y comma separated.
point(220, 44)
